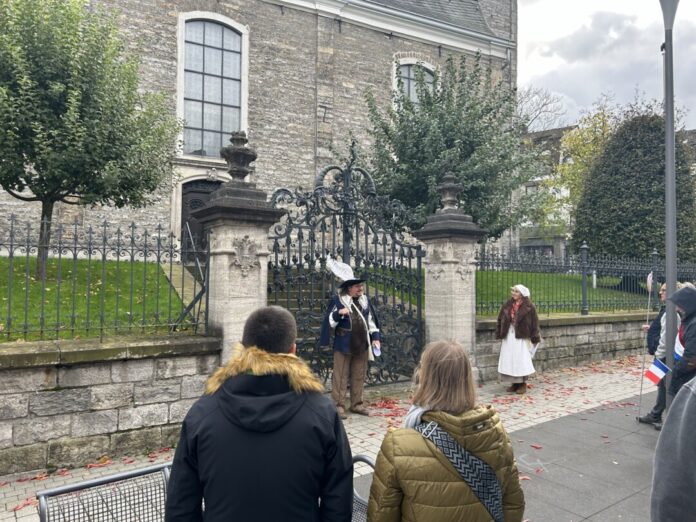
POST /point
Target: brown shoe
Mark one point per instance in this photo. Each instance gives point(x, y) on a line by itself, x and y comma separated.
point(512, 388)
point(360, 410)
point(521, 389)
point(341, 412)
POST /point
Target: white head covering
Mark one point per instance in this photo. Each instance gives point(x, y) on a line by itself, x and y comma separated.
point(523, 290)
point(343, 272)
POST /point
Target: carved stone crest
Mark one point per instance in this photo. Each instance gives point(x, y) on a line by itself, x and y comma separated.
point(244, 255)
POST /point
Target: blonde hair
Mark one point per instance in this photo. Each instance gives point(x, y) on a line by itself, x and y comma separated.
point(444, 379)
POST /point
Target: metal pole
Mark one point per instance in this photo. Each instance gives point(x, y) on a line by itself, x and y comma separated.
point(585, 309)
point(669, 9)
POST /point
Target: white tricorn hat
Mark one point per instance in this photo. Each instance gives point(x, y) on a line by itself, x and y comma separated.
point(343, 272)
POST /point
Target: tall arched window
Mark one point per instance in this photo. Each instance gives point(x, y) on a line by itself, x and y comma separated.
point(407, 73)
point(212, 86)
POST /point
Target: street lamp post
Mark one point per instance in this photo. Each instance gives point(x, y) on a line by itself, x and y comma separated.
point(669, 11)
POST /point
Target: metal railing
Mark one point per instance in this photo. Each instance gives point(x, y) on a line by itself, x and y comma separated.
point(98, 282)
point(574, 284)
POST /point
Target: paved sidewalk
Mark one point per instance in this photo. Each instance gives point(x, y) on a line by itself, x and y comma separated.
point(569, 423)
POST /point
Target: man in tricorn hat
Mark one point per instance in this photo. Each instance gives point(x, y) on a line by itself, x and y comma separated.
point(356, 338)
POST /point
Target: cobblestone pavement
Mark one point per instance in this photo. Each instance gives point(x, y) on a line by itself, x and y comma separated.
point(551, 395)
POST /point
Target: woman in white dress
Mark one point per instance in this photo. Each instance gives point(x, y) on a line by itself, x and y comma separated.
point(518, 327)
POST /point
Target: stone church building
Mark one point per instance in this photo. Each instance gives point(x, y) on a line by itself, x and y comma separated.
point(291, 73)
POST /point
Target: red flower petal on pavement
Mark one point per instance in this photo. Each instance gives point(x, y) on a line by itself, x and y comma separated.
point(604, 436)
point(525, 477)
point(3, 484)
point(128, 460)
point(372, 434)
point(539, 470)
point(63, 472)
point(536, 446)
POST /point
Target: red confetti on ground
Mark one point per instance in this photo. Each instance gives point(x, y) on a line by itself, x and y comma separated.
point(3, 484)
point(372, 434)
point(104, 461)
point(524, 477)
point(604, 436)
point(536, 446)
point(24, 479)
point(30, 501)
point(40, 476)
point(128, 460)
point(63, 472)
point(538, 471)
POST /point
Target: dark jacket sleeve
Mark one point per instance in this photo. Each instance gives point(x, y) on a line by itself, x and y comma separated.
point(683, 370)
point(337, 486)
point(184, 491)
point(674, 480)
point(653, 336)
point(499, 323)
point(325, 335)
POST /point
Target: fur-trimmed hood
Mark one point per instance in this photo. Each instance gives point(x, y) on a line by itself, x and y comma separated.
point(261, 391)
point(254, 361)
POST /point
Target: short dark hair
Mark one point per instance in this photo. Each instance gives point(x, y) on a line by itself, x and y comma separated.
point(271, 328)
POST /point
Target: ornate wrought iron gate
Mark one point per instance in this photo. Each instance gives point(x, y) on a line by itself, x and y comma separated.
point(344, 217)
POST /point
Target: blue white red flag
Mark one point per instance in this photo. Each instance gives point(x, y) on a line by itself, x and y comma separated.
point(657, 371)
point(678, 349)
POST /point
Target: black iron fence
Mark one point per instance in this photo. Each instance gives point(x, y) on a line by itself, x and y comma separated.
point(575, 284)
point(97, 282)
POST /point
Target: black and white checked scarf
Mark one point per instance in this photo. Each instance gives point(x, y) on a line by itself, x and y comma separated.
point(478, 475)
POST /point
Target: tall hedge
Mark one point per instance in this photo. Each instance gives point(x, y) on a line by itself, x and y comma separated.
point(622, 209)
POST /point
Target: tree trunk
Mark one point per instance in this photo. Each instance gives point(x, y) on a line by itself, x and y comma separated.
point(44, 238)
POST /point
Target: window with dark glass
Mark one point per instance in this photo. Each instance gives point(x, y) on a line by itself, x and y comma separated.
point(408, 78)
point(212, 86)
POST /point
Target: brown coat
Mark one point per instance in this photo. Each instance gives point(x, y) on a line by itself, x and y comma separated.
point(526, 321)
point(415, 482)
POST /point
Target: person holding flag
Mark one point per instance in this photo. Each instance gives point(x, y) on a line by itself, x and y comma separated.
point(657, 333)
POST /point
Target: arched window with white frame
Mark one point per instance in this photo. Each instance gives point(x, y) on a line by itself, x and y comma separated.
point(406, 71)
point(213, 93)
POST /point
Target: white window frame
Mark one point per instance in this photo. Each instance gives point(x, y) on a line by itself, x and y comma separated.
point(243, 30)
point(410, 60)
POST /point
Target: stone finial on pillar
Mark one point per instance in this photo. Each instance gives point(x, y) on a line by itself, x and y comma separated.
point(450, 238)
point(237, 217)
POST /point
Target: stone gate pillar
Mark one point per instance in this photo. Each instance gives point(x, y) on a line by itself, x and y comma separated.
point(450, 238)
point(237, 218)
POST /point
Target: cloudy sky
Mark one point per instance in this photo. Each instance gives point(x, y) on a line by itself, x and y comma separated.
point(580, 49)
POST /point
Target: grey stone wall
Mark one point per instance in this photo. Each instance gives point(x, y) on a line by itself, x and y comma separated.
point(307, 80)
point(68, 404)
point(568, 342)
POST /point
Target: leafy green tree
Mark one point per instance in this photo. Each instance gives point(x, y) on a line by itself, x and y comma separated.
point(580, 148)
point(463, 123)
point(74, 127)
point(622, 208)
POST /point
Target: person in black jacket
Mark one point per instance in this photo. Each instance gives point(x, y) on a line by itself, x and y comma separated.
point(264, 443)
point(656, 346)
point(685, 368)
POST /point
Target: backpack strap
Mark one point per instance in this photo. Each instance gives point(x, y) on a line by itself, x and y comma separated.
point(478, 475)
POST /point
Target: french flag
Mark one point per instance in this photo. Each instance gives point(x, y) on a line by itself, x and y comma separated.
point(678, 349)
point(656, 371)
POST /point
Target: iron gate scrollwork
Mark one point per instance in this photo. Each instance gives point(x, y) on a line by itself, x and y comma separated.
point(344, 217)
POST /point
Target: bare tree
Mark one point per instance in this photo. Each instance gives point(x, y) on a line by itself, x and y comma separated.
point(540, 109)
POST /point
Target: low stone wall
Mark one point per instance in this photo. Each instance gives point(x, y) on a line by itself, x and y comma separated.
point(69, 403)
point(568, 341)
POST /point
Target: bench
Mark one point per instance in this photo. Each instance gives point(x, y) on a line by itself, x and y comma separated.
point(137, 495)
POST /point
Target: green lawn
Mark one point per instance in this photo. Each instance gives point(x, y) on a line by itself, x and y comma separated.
point(555, 293)
point(134, 297)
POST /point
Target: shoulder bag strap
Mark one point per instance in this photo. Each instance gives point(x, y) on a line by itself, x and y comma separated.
point(478, 475)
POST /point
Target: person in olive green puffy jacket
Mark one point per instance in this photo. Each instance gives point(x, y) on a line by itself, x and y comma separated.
point(413, 480)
